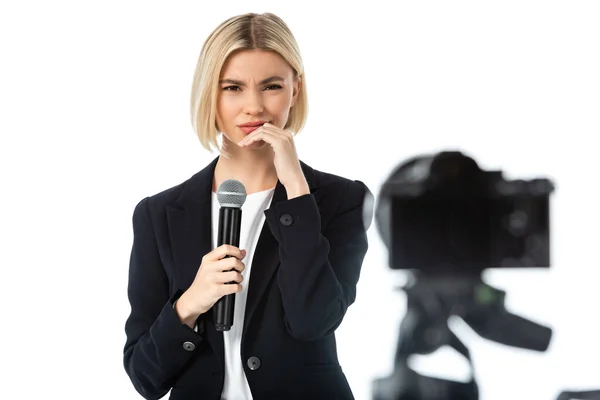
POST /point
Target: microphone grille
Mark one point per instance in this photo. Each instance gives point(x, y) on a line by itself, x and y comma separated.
point(231, 193)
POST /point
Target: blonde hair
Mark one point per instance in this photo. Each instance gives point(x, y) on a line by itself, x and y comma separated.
point(243, 32)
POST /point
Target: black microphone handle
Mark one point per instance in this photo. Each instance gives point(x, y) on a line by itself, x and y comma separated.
point(230, 223)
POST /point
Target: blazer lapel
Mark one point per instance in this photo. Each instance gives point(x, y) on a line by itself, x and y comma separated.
point(190, 225)
point(266, 255)
point(190, 229)
point(264, 263)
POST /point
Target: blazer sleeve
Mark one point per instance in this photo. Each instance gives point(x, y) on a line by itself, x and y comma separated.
point(319, 271)
point(158, 345)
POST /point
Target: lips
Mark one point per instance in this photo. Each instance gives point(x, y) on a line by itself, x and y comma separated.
point(251, 126)
point(249, 129)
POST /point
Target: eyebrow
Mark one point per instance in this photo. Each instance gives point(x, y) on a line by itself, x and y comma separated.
point(263, 82)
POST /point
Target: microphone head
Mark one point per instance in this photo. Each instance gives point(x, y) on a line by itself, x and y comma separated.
point(231, 193)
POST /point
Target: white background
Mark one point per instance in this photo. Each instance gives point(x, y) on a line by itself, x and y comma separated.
point(94, 116)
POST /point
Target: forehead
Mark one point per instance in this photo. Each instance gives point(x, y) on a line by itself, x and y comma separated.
point(255, 63)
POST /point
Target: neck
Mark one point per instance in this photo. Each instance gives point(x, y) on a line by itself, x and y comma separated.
point(253, 167)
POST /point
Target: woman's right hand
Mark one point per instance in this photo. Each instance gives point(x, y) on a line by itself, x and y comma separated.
point(211, 282)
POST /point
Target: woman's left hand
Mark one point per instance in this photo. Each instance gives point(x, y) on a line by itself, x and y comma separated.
point(285, 159)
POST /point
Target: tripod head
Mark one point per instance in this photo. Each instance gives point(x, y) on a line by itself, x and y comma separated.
point(431, 301)
point(445, 221)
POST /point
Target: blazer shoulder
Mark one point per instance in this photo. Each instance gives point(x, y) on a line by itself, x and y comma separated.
point(351, 194)
point(348, 186)
point(159, 201)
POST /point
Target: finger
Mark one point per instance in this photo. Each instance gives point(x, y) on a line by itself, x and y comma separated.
point(224, 251)
point(266, 136)
point(258, 134)
point(280, 135)
point(227, 277)
point(230, 263)
point(278, 131)
point(227, 264)
point(230, 289)
point(251, 135)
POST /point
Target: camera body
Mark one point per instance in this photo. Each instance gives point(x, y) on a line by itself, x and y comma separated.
point(442, 214)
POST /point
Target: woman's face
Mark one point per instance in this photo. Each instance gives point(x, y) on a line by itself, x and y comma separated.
point(255, 87)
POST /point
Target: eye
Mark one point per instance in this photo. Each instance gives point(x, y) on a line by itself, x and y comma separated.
point(232, 88)
point(274, 87)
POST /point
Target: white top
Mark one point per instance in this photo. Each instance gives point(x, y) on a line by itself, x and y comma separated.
point(253, 218)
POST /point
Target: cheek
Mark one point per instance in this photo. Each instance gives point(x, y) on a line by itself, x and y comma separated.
point(227, 104)
point(280, 109)
point(223, 114)
point(219, 121)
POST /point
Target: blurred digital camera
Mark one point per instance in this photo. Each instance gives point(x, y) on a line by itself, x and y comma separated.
point(443, 214)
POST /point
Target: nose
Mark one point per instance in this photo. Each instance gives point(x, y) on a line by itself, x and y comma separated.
point(253, 103)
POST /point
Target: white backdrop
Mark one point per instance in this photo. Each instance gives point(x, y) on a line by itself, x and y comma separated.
point(94, 101)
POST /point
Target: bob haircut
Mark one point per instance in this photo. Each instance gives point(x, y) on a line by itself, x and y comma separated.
point(243, 32)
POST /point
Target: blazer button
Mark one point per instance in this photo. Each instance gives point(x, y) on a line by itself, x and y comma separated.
point(286, 220)
point(254, 363)
point(189, 346)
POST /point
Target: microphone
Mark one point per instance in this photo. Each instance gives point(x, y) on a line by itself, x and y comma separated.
point(231, 195)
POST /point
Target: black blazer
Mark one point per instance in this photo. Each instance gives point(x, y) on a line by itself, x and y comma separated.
point(303, 279)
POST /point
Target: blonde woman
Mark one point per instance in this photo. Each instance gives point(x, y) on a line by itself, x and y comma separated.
point(302, 242)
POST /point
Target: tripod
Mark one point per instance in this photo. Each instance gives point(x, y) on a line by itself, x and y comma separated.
point(431, 300)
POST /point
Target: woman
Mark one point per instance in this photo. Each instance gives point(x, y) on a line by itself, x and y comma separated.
point(249, 92)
